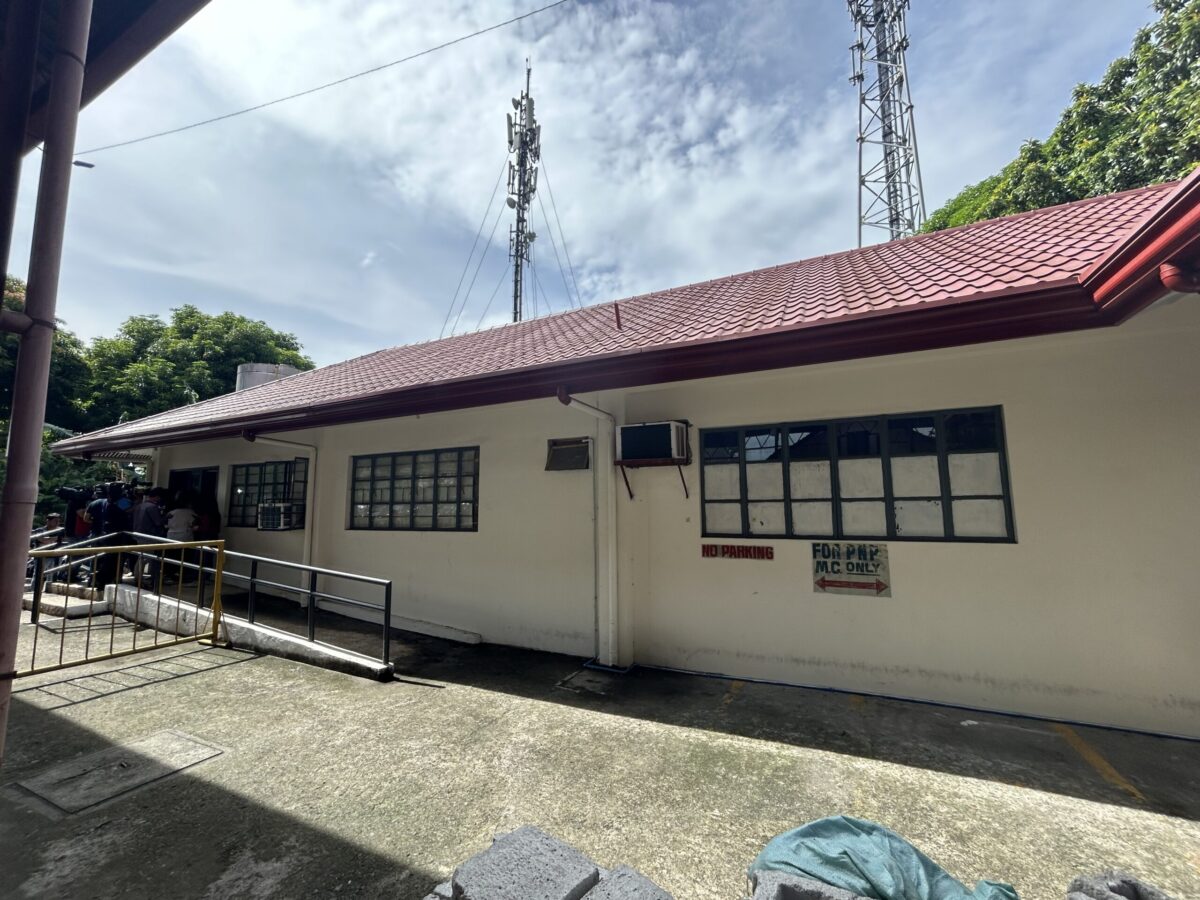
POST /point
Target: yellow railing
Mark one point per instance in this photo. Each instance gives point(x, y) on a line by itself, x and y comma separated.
point(107, 566)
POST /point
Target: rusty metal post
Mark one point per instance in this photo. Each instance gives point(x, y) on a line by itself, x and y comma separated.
point(33, 358)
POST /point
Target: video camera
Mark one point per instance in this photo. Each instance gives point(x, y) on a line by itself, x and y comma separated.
point(76, 496)
point(82, 496)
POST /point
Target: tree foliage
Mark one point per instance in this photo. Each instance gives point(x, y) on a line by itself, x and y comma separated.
point(58, 471)
point(68, 367)
point(149, 366)
point(1139, 125)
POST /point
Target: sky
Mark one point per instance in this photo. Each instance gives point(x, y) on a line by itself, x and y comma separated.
point(682, 141)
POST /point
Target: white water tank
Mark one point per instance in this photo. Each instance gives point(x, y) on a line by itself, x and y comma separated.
point(253, 374)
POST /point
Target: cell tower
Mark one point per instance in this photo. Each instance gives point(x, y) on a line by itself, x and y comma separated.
point(889, 174)
point(525, 145)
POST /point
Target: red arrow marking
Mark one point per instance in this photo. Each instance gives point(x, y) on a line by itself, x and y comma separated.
point(877, 586)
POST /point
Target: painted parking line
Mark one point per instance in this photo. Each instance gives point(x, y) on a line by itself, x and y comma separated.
point(1093, 758)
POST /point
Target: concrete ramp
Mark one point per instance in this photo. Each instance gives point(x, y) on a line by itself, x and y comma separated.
point(171, 616)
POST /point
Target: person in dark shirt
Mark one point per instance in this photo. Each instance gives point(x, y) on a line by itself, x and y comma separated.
point(149, 522)
point(108, 518)
point(208, 528)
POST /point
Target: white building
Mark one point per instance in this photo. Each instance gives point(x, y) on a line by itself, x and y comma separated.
point(1001, 422)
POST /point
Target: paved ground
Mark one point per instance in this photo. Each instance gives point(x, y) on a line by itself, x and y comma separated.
point(335, 786)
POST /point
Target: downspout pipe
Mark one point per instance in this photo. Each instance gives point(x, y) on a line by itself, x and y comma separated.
point(310, 491)
point(32, 375)
point(610, 531)
point(1180, 278)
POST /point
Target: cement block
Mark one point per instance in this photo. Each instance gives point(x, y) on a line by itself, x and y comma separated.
point(623, 883)
point(785, 886)
point(526, 864)
point(444, 891)
point(1113, 885)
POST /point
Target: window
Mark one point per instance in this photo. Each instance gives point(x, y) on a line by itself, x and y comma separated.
point(568, 454)
point(429, 490)
point(938, 476)
point(284, 481)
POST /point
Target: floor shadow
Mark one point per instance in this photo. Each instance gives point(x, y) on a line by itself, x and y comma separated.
point(181, 836)
point(288, 615)
point(73, 688)
point(1142, 771)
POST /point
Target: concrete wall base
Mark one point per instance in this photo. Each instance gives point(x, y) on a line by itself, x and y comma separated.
point(162, 612)
point(69, 607)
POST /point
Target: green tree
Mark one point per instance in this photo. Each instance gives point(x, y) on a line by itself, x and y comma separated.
point(68, 367)
point(58, 471)
point(151, 366)
point(1139, 125)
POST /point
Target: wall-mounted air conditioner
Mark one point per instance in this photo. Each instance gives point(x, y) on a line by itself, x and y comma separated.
point(653, 444)
point(275, 517)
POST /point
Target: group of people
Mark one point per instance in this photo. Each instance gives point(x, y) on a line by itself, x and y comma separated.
point(143, 514)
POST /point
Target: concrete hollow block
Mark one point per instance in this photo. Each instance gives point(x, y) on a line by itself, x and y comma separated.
point(526, 864)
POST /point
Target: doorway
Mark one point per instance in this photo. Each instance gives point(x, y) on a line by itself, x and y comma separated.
point(200, 482)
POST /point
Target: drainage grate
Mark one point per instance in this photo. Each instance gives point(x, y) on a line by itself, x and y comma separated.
point(90, 780)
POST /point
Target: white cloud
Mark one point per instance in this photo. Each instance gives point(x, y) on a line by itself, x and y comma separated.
point(683, 142)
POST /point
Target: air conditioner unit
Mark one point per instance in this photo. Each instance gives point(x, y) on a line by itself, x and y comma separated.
point(275, 517)
point(653, 444)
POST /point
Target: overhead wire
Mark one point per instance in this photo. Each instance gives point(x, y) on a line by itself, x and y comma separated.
point(537, 286)
point(495, 291)
point(328, 84)
point(479, 265)
point(570, 301)
point(562, 234)
point(471, 255)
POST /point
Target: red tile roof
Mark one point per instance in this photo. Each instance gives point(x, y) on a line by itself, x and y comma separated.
point(1040, 251)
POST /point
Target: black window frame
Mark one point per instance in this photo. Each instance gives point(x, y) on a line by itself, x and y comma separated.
point(288, 479)
point(883, 423)
point(412, 457)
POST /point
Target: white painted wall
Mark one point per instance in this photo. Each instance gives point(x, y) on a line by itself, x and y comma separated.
point(525, 578)
point(1092, 615)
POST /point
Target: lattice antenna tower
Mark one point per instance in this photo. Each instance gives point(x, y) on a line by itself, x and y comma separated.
point(890, 195)
point(525, 149)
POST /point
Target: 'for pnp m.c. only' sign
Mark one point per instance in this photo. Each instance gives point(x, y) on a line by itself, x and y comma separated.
point(841, 567)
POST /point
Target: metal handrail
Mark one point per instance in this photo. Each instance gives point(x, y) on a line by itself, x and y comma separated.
point(313, 572)
point(305, 567)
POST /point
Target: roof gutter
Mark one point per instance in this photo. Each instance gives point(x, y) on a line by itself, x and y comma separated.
point(1057, 307)
point(1159, 253)
point(1180, 279)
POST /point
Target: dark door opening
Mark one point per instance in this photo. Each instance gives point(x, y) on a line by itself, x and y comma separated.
point(202, 483)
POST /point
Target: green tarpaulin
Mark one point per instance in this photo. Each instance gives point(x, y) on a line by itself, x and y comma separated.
point(869, 860)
